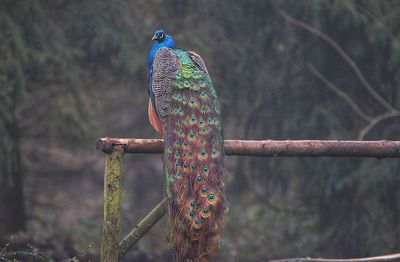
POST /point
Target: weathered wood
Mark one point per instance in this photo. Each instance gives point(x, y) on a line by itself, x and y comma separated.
point(273, 148)
point(313, 148)
point(134, 145)
point(391, 257)
point(141, 229)
point(116, 147)
point(112, 205)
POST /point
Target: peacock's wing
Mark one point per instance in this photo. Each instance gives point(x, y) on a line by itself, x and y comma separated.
point(165, 68)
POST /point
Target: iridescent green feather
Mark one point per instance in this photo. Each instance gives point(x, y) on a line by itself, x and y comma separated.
point(194, 162)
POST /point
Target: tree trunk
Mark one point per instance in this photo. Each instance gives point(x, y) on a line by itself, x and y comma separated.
point(12, 208)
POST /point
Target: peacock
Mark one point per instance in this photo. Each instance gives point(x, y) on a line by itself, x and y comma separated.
point(183, 107)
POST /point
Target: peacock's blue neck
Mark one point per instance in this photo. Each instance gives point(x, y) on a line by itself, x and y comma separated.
point(168, 42)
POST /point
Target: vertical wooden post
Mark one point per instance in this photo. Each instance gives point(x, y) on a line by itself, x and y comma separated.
point(112, 205)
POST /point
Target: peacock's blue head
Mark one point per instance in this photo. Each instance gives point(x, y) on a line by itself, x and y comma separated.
point(161, 40)
point(159, 35)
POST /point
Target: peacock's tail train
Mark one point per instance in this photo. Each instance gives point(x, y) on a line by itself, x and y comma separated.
point(194, 163)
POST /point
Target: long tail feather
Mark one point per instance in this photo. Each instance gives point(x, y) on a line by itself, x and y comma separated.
point(193, 165)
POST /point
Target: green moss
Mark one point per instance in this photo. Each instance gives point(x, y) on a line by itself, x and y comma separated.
point(112, 205)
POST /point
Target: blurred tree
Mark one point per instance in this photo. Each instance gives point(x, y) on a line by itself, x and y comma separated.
point(36, 83)
point(12, 63)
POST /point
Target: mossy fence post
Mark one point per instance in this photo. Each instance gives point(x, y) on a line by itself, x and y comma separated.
point(112, 204)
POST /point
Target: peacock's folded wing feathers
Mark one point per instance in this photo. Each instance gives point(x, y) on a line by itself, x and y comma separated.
point(187, 103)
point(165, 69)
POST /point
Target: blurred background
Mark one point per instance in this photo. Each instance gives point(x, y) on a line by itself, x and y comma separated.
point(73, 71)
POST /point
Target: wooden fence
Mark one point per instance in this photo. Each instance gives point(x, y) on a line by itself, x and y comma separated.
point(112, 248)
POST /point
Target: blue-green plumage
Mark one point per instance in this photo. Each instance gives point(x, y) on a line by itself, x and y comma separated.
point(186, 103)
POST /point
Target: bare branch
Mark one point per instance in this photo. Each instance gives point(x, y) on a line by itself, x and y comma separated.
point(342, 53)
point(376, 121)
point(391, 257)
point(340, 93)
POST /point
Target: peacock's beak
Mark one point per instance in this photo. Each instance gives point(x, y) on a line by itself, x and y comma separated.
point(154, 38)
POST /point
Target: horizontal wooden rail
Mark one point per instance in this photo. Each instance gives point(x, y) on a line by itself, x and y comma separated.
point(274, 148)
point(391, 257)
